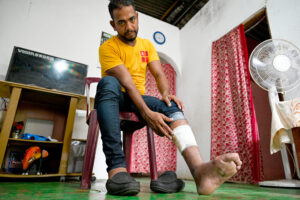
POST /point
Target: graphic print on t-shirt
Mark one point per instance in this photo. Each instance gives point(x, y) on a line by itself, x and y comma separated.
point(144, 56)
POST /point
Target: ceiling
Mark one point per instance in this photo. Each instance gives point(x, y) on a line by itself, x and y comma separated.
point(179, 12)
point(175, 12)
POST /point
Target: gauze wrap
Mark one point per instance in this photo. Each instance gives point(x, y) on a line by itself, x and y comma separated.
point(184, 137)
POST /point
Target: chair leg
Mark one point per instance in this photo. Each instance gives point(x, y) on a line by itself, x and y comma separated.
point(152, 155)
point(127, 144)
point(90, 151)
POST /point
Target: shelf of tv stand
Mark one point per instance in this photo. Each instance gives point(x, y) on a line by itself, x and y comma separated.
point(31, 176)
point(40, 176)
point(22, 141)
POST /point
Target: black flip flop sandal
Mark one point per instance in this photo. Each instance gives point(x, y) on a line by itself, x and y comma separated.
point(122, 184)
point(167, 183)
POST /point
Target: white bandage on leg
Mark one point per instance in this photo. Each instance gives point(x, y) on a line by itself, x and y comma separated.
point(184, 137)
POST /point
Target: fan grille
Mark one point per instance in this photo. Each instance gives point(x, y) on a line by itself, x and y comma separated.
point(275, 63)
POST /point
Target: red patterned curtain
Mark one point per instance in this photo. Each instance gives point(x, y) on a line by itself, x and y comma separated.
point(166, 152)
point(233, 121)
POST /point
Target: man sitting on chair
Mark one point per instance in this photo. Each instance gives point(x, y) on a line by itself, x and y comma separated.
point(124, 59)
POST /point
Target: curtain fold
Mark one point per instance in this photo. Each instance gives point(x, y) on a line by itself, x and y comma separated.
point(233, 121)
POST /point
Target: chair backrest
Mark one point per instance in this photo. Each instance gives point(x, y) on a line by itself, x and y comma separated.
point(88, 82)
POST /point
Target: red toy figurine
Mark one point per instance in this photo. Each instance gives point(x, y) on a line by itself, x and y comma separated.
point(32, 154)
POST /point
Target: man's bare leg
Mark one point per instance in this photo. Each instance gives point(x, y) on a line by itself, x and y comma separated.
point(210, 175)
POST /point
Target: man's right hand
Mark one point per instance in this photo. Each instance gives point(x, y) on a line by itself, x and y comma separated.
point(157, 122)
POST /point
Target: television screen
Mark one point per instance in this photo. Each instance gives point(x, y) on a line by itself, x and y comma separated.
point(39, 69)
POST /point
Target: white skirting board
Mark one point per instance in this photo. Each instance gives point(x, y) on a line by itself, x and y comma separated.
point(284, 183)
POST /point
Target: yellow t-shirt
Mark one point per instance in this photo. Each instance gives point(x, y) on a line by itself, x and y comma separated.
point(114, 52)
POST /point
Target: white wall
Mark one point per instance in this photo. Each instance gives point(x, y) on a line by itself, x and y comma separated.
point(284, 22)
point(72, 29)
point(170, 50)
point(214, 20)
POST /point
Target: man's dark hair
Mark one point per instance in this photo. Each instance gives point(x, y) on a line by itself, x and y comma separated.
point(117, 4)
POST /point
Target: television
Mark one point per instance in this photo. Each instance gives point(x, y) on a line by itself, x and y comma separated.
point(43, 70)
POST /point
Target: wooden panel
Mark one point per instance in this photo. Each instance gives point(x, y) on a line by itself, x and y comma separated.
point(4, 91)
point(74, 174)
point(6, 87)
point(296, 135)
point(82, 104)
point(31, 142)
point(8, 121)
point(30, 176)
point(68, 136)
point(50, 164)
point(54, 100)
point(40, 103)
point(4, 84)
point(44, 112)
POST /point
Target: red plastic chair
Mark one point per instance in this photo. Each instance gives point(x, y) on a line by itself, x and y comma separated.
point(129, 123)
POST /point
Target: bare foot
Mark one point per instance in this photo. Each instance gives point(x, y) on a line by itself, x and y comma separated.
point(209, 176)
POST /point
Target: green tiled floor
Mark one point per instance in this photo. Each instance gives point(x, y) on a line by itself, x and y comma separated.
point(71, 190)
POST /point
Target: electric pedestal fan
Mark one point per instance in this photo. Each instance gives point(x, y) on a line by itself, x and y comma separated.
point(275, 66)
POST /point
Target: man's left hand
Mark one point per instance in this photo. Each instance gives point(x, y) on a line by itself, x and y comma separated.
point(168, 98)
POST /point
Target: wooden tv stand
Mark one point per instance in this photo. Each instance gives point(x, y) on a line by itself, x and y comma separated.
point(28, 101)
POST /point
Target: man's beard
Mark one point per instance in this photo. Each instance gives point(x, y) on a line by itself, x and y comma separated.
point(129, 39)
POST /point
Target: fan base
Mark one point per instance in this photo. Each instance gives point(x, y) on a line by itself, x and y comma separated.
point(284, 183)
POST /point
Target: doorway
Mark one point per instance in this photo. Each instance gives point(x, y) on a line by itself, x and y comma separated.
point(257, 31)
